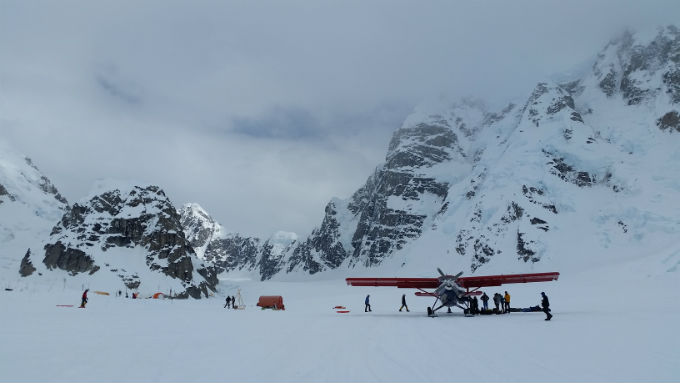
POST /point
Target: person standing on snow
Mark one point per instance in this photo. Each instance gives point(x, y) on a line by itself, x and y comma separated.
point(228, 302)
point(546, 306)
point(84, 299)
point(507, 302)
point(475, 305)
point(485, 301)
point(497, 301)
point(367, 303)
point(233, 302)
point(403, 303)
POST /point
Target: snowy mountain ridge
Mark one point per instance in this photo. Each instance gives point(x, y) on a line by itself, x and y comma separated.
point(586, 166)
point(231, 252)
point(125, 238)
point(29, 206)
point(580, 174)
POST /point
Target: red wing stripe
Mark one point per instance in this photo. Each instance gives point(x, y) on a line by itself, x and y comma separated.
point(497, 280)
point(402, 283)
point(424, 294)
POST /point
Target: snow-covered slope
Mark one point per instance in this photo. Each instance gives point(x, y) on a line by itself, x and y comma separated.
point(123, 238)
point(30, 206)
point(584, 172)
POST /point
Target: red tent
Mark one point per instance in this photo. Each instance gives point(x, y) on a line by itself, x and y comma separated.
point(271, 301)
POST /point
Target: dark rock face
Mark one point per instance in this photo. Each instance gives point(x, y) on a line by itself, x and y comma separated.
point(26, 267)
point(381, 228)
point(546, 101)
point(567, 173)
point(142, 217)
point(232, 253)
point(631, 59)
point(386, 213)
point(608, 83)
point(270, 263)
point(670, 121)
point(4, 192)
point(73, 260)
point(524, 250)
point(322, 249)
point(672, 81)
point(229, 252)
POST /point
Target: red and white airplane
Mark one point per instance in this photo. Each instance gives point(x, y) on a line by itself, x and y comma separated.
point(452, 290)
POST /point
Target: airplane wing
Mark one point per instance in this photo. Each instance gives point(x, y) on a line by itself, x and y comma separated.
point(402, 283)
point(497, 280)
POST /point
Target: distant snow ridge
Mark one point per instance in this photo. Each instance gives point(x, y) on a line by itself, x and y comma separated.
point(229, 252)
point(125, 238)
point(29, 206)
point(582, 173)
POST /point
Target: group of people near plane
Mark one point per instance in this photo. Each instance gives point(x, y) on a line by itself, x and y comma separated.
point(502, 303)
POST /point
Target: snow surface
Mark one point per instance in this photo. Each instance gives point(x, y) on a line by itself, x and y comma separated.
point(27, 214)
point(614, 323)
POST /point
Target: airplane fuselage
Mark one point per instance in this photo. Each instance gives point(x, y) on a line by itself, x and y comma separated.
point(449, 293)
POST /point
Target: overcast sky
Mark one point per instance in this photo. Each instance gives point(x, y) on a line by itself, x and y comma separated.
point(261, 111)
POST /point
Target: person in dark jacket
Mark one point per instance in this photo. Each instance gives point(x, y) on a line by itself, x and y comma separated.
point(473, 305)
point(367, 303)
point(84, 299)
point(497, 301)
point(233, 302)
point(228, 302)
point(545, 303)
point(403, 303)
point(485, 301)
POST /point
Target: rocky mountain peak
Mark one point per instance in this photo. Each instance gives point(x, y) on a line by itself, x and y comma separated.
point(132, 235)
point(30, 205)
point(548, 102)
point(639, 67)
point(199, 227)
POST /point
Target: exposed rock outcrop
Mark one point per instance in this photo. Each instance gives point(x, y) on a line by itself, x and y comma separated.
point(135, 222)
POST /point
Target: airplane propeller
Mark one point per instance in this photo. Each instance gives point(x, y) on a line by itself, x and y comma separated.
point(444, 275)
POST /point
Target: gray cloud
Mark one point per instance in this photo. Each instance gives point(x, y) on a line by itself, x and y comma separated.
point(262, 111)
point(120, 90)
point(288, 123)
